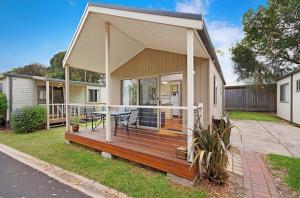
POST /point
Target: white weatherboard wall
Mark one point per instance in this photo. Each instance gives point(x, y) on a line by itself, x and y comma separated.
point(22, 92)
point(296, 99)
point(78, 94)
point(283, 108)
point(216, 110)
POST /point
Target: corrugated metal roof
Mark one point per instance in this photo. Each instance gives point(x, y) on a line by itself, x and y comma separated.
point(150, 11)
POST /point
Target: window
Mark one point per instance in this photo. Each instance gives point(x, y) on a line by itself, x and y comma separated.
point(93, 95)
point(298, 86)
point(215, 91)
point(284, 91)
point(41, 94)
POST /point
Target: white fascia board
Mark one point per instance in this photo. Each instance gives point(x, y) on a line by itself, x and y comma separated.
point(75, 36)
point(181, 22)
point(168, 20)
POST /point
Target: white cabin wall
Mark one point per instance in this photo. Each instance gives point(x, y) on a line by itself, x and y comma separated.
point(152, 62)
point(216, 110)
point(284, 108)
point(296, 99)
point(22, 92)
point(77, 94)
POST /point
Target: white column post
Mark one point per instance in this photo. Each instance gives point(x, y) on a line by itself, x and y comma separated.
point(107, 76)
point(67, 97)
point(190, 94)
point(48, 104)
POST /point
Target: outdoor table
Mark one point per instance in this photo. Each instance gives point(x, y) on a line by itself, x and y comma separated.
point(102, 114)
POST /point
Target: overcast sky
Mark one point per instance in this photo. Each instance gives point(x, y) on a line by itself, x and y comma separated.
point(32, 31)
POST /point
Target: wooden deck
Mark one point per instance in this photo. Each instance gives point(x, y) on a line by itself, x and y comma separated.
point(150, 148)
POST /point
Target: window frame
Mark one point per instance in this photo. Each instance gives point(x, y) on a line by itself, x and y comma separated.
point(95, 95)
point(298, 85)
point(286, 98)
point(215, 91)
point(41, 88)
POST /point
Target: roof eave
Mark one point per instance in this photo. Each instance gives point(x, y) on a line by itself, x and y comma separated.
point(203, 34)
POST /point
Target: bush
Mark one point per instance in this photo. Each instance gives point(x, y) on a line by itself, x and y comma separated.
point(29, 119)
point(3, 105)
point(211, 147)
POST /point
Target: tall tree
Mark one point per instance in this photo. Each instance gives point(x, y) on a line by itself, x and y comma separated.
point(56, 69)
point(34, 69)
point(271, 46)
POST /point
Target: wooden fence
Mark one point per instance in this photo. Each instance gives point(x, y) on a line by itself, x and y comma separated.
point(249, 98)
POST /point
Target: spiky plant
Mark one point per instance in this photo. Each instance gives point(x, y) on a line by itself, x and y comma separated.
point(210, 147)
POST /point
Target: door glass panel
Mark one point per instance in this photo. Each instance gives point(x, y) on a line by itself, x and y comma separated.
point(148, 96)
point(129, 92)
point(171, 95)
point(58, 95)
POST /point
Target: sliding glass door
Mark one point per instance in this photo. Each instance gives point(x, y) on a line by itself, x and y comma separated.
point(142, 92)
point(148, 96)
point(129, 92)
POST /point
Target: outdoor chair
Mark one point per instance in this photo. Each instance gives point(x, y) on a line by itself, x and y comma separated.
point(131, 120)
point(88, 116)
point(122, 109)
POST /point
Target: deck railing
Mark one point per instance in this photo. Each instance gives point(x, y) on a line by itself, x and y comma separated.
point(163, 118)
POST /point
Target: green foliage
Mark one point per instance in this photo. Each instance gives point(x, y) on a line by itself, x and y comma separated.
point(35, 69)
point(290, 168)
point(3, 105)
point(248, 68)
point(270, 47)
point(75, 121)
point(257, 116)
point(29, 119)
point(211, 147)
point(56, 69)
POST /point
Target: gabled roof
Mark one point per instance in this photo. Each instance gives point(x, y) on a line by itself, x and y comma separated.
point(149, 11)
point(133, 30)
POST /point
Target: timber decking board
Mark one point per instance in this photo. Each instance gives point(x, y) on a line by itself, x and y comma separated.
point(159, 153)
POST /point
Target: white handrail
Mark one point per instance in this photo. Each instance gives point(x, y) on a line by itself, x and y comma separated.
point(135, 106)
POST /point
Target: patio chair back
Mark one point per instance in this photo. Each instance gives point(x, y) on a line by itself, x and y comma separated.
point(122, 109)
point(88, 111)
point(133, 116)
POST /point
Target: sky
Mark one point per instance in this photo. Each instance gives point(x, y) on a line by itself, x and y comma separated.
point(32, 31)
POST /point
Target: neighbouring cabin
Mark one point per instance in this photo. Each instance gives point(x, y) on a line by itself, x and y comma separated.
point(288, 97)
point(162, 76)
point(25, 90)
point(250, 98)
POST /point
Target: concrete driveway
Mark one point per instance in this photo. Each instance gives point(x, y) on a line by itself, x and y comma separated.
point(267, 137)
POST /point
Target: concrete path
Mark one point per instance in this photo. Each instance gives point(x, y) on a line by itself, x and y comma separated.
point(20, 180)
point(267, 137)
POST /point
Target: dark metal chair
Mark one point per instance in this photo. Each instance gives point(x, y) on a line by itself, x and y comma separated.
point(131, 120)
point(88, 112)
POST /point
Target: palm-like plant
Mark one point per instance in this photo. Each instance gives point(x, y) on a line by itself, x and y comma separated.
point(210, 147)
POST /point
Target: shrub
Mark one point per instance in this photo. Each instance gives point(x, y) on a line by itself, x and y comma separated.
point(29, 119)
point(3, 105)
point(211, 147)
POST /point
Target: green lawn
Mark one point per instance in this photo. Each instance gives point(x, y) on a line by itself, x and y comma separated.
point(116, 173)
point(291, 168)
point(258, 116)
